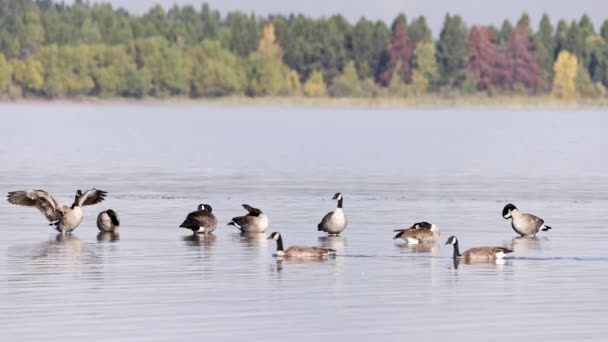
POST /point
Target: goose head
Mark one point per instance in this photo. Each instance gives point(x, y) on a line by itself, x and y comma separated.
point(452, 240)
point(207, 208)
point(274, 236)
point(337, 196)
point(506, 211)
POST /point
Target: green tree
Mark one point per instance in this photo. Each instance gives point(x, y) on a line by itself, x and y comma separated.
point(347, 84)
point(566, 72)
point(419, 31)
point(425, 66)
point(369, 40)
point(452, 52)
point(544, 45)
point(214, 71)
point(561, 38)
point(505, 32)
point(604, 30)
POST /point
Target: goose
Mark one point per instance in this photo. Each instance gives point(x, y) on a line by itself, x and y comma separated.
point(523, 224)
point(334, 222)
point(200, 221)
point(254, 222)
point(299, 251)
point(420, 232)
point(107, 221)
point(478, 253)
point(64, 218)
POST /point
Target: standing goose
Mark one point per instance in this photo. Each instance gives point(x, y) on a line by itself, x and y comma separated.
point(334, 222)
point(420, 232)
point(300, 251)
point(64, 218)
point(107, 221)
point(478, 253)
point(254, 222)
point(200, 221)
point(523, 224)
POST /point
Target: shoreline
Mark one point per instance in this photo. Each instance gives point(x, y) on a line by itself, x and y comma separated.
point(425, 101)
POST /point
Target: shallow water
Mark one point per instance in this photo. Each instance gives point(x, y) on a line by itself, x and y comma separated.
point(455, 168)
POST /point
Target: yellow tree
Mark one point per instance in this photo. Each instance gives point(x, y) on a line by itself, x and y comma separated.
point(564, 82)
point(315, 85)
point(5, 73)
point(268, 45)
point(266, 72)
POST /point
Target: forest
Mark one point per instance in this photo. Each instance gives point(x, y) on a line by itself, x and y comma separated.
point(52, 50)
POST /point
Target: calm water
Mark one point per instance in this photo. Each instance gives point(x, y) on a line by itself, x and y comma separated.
point(456, 168)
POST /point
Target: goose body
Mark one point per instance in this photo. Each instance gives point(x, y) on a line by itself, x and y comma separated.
point(420, 232)
point(334, 222)
point(200, 221)
point(64, 218)
point(522, 223)
point(107, 221)
point(478, 253)
point(254, 222)
point(299, 251)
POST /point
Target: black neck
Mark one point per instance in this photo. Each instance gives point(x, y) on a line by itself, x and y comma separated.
point(456, 250)
point(340, 202)
point(75, 204)
point(280, 243)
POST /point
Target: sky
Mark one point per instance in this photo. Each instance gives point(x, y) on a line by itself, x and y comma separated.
point(473, 11)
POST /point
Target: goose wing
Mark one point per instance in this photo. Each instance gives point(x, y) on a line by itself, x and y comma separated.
point(304, 251)
point(533, 220)
point(92, 196)
point(41, 200)
point(325, 218)
point(199, 219)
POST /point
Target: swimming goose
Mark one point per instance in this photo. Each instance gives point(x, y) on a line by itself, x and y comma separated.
point(64, 218)
point(523, 224)
point(299, 251)
point(254, 222)
point(420, 232)
point(107, 221)
point(201, 220)
point(334, 222)
point(478, 253)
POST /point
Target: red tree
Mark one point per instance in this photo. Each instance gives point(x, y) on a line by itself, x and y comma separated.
point(485, 63)
point(521, 62)
point(399, 52)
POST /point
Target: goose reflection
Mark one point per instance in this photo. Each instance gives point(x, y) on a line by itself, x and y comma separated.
point(334, 242)
point(495, 263)
point(61, 254)
point(257, 240)
point(200, 240)
point(108, 237)
point(419, 248)
point(526, 243)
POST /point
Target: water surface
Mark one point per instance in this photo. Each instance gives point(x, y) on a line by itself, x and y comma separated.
point(155, 282)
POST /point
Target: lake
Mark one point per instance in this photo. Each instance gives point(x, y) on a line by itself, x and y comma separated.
point(456, 168)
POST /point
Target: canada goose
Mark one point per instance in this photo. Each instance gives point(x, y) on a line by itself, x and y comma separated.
point(299, 251)
point(478, 253)
point(254, 222)
point(523, 224)
point(420, 232)
point(201, 220)
point(64, 218)
point(334, 222)
point(107, 221)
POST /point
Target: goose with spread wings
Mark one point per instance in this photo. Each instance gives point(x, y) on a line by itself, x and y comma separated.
point(64, 218)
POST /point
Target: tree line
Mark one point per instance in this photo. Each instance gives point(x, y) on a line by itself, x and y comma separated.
point(54, 50)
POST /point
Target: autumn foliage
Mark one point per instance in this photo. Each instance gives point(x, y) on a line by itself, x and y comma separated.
point(399, 53)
